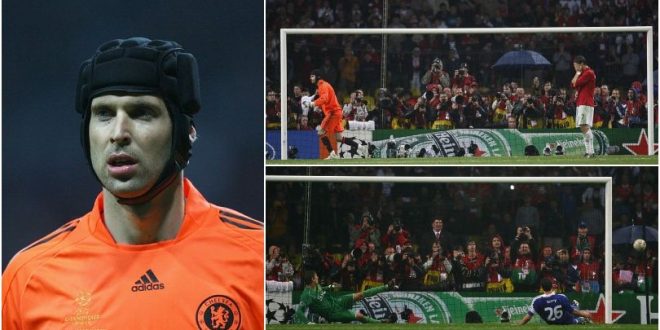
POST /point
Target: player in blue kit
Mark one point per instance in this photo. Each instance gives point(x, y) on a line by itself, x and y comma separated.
point(555, 308)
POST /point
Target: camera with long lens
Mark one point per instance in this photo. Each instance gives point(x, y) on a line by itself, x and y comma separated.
point(522, 235)
point(437, 65)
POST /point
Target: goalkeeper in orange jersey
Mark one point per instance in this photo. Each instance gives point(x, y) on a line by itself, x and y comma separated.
point(152, 252)
point(331, 126)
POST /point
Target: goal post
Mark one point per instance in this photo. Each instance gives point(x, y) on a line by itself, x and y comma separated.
point(394, 31)
point(607, 181)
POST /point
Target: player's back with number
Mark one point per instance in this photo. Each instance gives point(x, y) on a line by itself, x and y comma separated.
point(553, 308)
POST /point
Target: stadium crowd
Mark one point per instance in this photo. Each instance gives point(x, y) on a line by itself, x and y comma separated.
point(446, 81)
point(447, 108)
point(461, 237)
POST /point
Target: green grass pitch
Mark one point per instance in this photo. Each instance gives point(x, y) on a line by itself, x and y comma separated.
point(457, 326)
point(514, 160)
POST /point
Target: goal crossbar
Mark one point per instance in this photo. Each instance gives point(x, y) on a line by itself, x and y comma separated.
point(569, 180)
point(388, 31)
point(469, 30)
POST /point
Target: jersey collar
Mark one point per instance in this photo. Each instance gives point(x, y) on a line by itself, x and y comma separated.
point(196, 211)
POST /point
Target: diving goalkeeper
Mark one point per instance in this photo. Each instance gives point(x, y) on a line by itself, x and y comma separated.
point(333, 309)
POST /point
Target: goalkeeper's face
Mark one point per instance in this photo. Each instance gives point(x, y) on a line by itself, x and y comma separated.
point(130, 137)
point(313, 79)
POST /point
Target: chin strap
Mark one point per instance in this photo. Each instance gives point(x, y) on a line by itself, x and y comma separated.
point(170, 174)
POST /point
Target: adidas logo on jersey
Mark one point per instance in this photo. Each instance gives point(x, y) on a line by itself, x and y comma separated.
point(148, 282)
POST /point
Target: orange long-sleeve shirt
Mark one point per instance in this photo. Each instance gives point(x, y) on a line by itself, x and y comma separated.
point(327, 99)
point(209, 277)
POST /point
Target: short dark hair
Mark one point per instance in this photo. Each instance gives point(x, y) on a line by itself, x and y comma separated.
point(546, 284)
point(579, 59)
point(317, 73)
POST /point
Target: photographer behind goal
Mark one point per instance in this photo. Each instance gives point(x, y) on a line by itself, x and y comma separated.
point(527, 112)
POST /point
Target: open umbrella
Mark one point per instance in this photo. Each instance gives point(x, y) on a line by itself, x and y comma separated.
point(629, 234)
point(521, 60)
point(518, 58)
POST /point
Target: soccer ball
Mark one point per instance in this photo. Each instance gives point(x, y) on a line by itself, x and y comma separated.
point(639, 244)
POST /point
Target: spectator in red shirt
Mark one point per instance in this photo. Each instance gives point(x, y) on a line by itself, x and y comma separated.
point(472, 268)
point(462, 78)
point(438, 267)
point(524, 275)
point(495, 268)
point(589, 273)
point(634, 109)
point(395, 235)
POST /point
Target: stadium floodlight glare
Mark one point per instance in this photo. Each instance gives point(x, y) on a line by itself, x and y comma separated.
point(387, 31)
point(508, 180)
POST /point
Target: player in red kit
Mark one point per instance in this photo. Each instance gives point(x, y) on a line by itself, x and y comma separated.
point(584, 82)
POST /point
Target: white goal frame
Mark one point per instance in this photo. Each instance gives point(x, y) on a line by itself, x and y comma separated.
point(403, 179)
point(385, 31)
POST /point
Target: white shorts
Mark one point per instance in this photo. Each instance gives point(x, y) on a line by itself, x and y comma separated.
point(584, 115)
